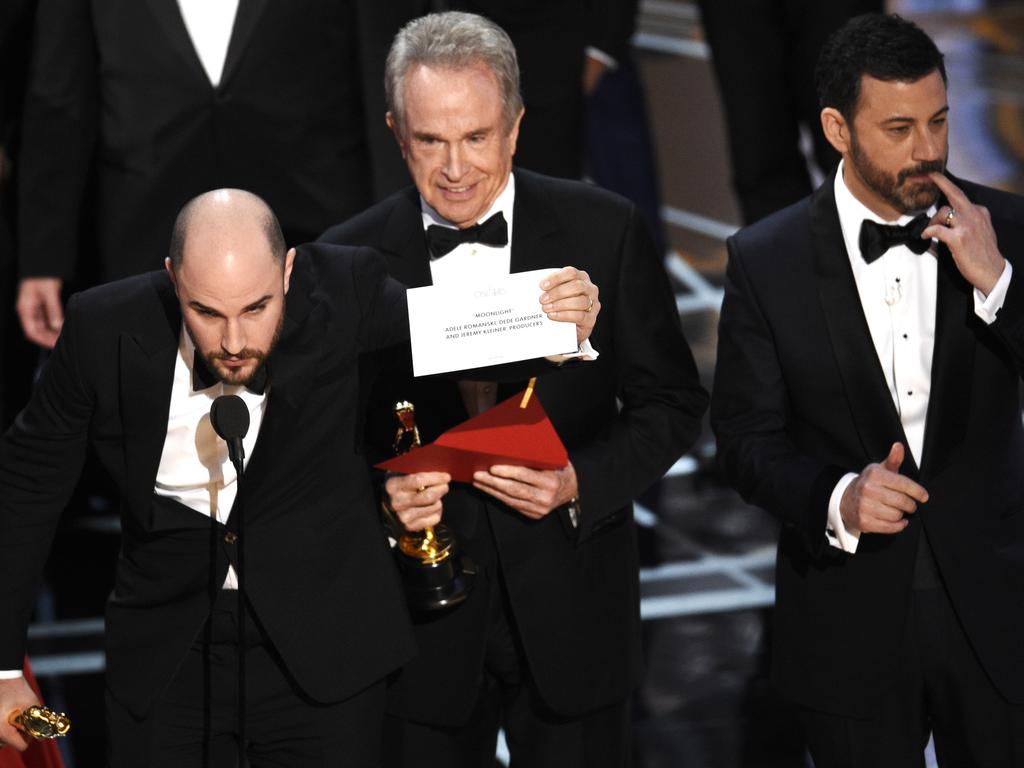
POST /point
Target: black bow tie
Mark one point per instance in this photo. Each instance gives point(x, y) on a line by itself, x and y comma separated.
point(443, 240)
point(876, 239)
point(204, 378)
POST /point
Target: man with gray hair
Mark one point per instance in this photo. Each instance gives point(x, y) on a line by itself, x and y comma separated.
point(547, 644)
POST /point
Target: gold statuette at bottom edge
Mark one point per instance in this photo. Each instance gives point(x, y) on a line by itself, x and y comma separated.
point(40, 722)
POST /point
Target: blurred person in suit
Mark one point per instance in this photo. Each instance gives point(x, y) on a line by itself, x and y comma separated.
point(547, 645)
point(133, 108)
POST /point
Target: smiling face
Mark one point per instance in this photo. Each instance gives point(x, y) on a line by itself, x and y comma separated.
point(455, 139)
point(231, 288)
point(898, 135)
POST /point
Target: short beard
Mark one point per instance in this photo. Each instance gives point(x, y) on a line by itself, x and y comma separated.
point(894, 189)
point(244, 376)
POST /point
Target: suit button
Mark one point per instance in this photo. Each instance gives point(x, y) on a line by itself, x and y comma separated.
point(230, 537)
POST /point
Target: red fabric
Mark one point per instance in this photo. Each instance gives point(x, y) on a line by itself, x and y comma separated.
point(40, 754)
point(504, 434)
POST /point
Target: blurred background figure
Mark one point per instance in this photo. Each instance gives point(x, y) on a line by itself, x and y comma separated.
point(16, 355)
point(564, 46)
point(135, 107)
point(763, 52)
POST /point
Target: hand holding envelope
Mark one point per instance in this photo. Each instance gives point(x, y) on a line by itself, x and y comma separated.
point(482, 322)
point(514, 438)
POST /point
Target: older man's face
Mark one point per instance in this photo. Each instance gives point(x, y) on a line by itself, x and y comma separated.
point(455, 139)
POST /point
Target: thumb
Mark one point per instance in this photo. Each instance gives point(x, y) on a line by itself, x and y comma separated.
point(895, 457)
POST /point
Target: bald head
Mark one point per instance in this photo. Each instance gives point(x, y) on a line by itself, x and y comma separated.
point(218, 216)
point(231, 273)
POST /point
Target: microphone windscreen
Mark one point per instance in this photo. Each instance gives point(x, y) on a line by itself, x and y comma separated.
point(229, 417)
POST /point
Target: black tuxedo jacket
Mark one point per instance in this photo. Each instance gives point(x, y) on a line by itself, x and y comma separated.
point(573, 592)
point(319, 573)
point(800, 399)
point(122, 125)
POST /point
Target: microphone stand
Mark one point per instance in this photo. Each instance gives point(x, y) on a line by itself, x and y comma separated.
point(237, 459)
point(229, 417)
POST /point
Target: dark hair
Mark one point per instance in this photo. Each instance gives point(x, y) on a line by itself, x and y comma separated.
point(267, 219)
point(885, 47)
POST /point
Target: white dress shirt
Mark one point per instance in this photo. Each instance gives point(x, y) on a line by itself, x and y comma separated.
point(897, 293)
point(209, 24)
point(470, 262)
point(194, 466)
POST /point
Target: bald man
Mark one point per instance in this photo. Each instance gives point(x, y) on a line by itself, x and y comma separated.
point(137, 367)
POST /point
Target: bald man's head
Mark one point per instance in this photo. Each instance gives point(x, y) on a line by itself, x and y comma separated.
point(220, 208)
point(231, 273)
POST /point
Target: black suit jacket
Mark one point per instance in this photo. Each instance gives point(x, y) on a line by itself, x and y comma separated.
point(122, 126)
point(800, 399)
point(574, 593)
point(319, 573)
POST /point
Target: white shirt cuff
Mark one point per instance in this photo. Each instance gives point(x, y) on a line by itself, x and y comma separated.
point(836, 532)
point(986, 307)
point(585, 352)
point(604, 58)
point(11, 674)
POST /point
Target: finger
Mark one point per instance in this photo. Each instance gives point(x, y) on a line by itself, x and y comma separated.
point(580, 286)
point(519, 505)
point(53, 309)
point(905, 485)
point(896, 500)
point(957, 199)
point(511, 488)
point(889, 509)
point(513, 472)
point(895, 458)
point(12, 737)
point(873, 525)
point(564, 275)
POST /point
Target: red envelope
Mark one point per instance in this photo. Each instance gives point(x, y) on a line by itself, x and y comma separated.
point(504, 434)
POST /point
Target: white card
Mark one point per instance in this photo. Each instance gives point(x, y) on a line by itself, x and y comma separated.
point(487, 322)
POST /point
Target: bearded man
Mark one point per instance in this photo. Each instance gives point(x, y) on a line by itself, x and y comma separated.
point(870, 349)
point(138, 365)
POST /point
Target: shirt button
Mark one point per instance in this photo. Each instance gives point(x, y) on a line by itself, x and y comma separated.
point(230, 537)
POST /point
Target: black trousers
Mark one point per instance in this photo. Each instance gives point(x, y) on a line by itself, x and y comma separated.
point(536, 736)
point(941, 689)
point(194, 724)
point(764, 53)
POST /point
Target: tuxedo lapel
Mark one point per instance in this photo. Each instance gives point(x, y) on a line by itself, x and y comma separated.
point(952, 366)
point(146, 374)
point(246, 20)
point(291, 367)
point(403, 242)
point(875, 416)
point(536, 240)
point(168, 14)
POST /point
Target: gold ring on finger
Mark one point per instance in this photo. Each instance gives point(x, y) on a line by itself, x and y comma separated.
point(591, 305)
point(949, 218)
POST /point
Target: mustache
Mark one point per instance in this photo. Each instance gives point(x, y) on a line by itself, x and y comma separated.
point(929, 166)
point(244, 354)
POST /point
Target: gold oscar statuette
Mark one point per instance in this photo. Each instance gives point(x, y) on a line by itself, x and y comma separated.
point(40, 722)
point(434, 573)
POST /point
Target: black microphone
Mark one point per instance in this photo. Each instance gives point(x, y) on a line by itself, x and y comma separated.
point(230, 419)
